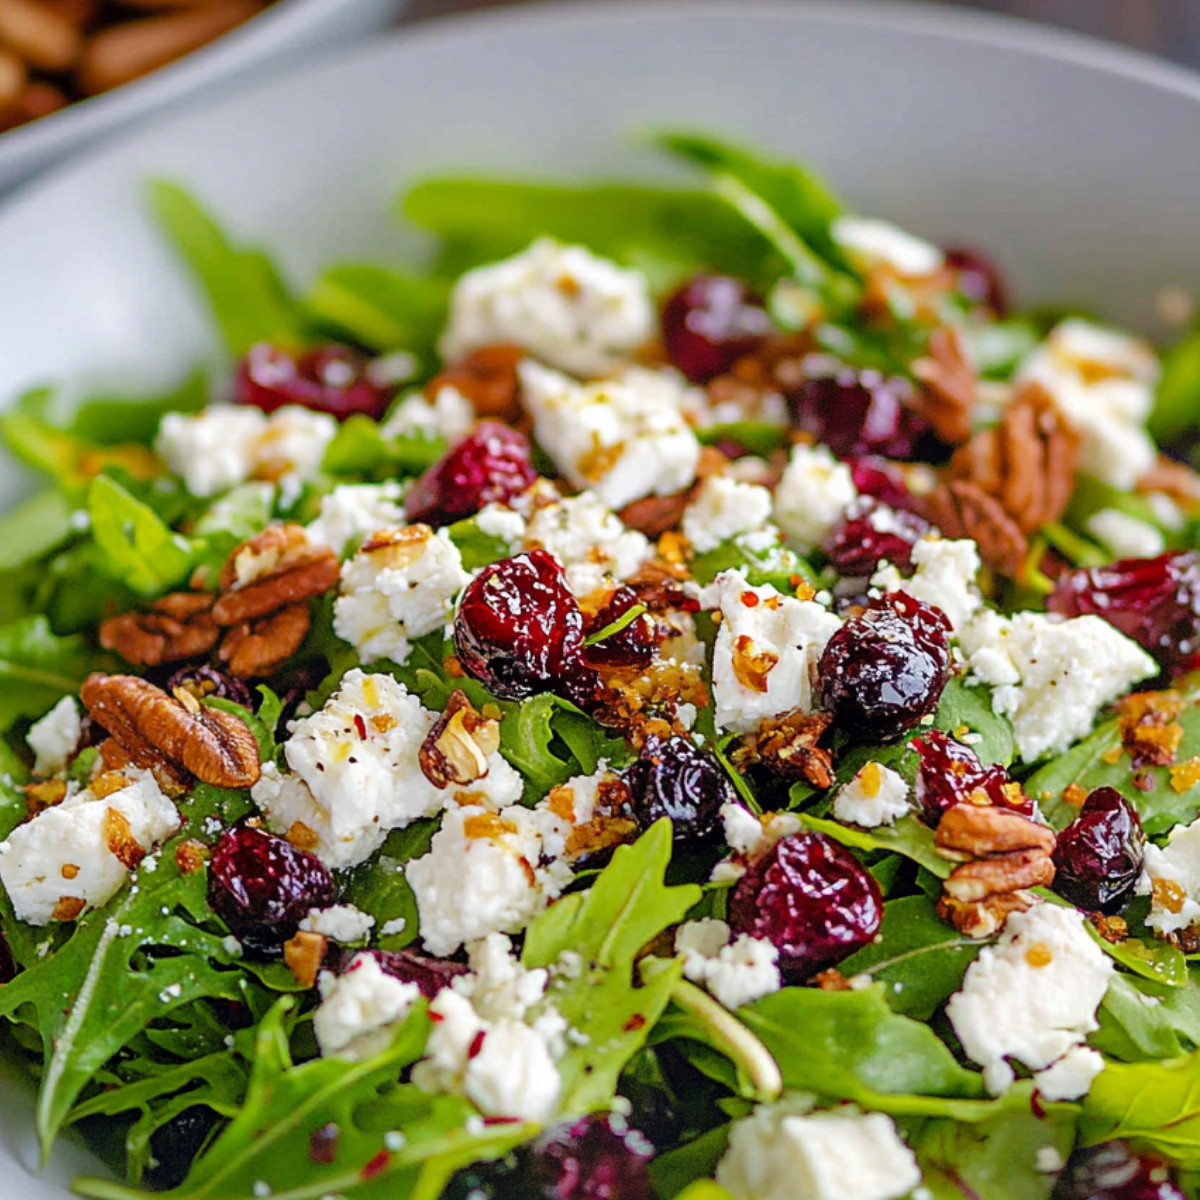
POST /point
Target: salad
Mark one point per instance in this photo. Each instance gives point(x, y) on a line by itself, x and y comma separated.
point(687, 693)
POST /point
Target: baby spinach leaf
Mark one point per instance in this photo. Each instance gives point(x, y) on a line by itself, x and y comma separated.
point(1177, 400)
point(111, 420)
point(682, 1171)
point(138, 548)
point(1143, 1020)
point(34, 528)
point(478, 549)
point(360, 448)
point(37, 668)
point(968, 710)
point(384, 308)
point(908, 836)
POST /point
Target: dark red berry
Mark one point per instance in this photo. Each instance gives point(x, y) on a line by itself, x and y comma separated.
point(631, 646)
point(711, 321)
point(885, 669)
point(429, 974)
point(949, 773)
point(876, 477)
point(491, 464)
point(205, 682)
point(596, 1158)
point(672, 777)
point(871, 532)
point(1155, 601)
point(331, 379)
point(812, 899)
point(979, 279)
point(858, 413)
point(1098, 857)
point(262, 886)
point(1112, 1171)
point(519, 631)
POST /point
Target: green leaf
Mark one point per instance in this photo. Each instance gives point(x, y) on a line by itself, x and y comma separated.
point(756, 437)
point(681, 1171)
point(37, 668)
point(776, 564)
point(359, 448)
point(34, 528)
point(384, 308)
point(526, 739)
point(964, 709)
point(139, 549)
point(607, 926)
point(246, 298)
point(478, 549)
point(1177, 401)
point(110, 420)
point(908, 836)
point(1143, 1020)
point(379, 886)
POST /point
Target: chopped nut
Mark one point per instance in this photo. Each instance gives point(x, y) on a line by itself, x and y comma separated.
point(983, 918)
point(949, 392)
point(1168, 894)
point(253, 648)
point(1149, 731)
point(654, 515)
point(177, 627)
point(1111, 929)
point(44, 794)
point(788, 746)
point(964, 510)
point(304, 954)
point(1174, 479)
point(275, 569)
point(118, 837)
point(68, 908)
point(832, 980)
point(189, 856)
point(302, 837)
point(488, 379)
point(456, 749)
point(1074, 795)
point(969, 831)
point(69, 871)
point(1185, 775)
point(1003, 873)
point(487, 825)
point(751, 666)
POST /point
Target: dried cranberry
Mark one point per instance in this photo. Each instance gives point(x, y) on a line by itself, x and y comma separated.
point(204, 682)
point(519, 631)
point(1155, 601)
point(950, 772)
point(869, 533)
point(883, 480)
point(1112, 1171)
point(979, 278)
point(331, 379)
point(491, 464)
point(596, 1158)
point(812, 899)
point(672, 777)
point(262, 886)
point(885, 669)
point(429, 974)
point(1098, 857)
point(631, 646)
point(709, 322)
point(857, 413)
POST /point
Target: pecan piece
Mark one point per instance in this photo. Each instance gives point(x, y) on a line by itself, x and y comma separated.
point(304, 954)
point(969, 831)
point(654, 515)
point(983, 918)
point(253, 648)
point(488, 379)
point(963, 510)
point(788, 746)
point(177, 627)
point(948, 394)
point(149, 725)
point(1174, 479)
point(995, 876)
point(274, 569)
point(456, 749)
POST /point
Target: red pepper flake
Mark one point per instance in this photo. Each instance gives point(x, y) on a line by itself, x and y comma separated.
point(376, 1166)
point(435, 1016)
point(361, 726)
point(750, 599)
point(502, 1120)
point(637, 1021)
point(322, 1143)
point(1144, 781)
point(476, 1044)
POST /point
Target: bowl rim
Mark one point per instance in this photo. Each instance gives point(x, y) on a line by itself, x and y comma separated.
point(236, 50)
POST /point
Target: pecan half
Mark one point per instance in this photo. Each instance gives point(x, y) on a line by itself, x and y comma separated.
point(963, 510)
point(948, 394)
point(276, 568)
point(788, 747)
point(177, 627)
point(456, 749)
point(654, 515)
point(149, 725)
point(983, 918)
point(1003, 873)
point(253, 648)
point(969, 831)
point(488, 379)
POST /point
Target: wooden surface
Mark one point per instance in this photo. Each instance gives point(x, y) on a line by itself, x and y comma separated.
point(1167, 27)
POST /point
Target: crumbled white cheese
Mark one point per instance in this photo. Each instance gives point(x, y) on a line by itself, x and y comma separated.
point(812, 495)
point(944, 577)
point(565, 305)
point(607, 436)
point(668, 387)
point(736, 972)
point(400, 585)
point(592, 544)
point(1032, 996)
point(777, 1153)
point(1051, 677)
point(876, 795)
point(212, 450)
point(869, 242)
point(1172, 878)
point(293, 444)
point(501, 523)
point(497, 985)
point(722, 509)
point(79, 852)
point(360, 1009)
point(55, 737)
point(341, 922)
point(766, 651)
point(354, 511)
point(448, 415)
point(1125, 536)
point(1103, 381)
point(567, 819)
point(1070, 1077)
point(749, 837)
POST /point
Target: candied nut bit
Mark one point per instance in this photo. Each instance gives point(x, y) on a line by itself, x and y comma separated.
point(304, 953)
point(949, 383)
point(456, 749)
point(788, 746)
point(215, 746)
point(276, 568)
point(177, 627)
point(974, 831)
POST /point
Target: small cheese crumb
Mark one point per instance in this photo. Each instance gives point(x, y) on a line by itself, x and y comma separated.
point(877, 795)
point(736, 972)
point(812, 495)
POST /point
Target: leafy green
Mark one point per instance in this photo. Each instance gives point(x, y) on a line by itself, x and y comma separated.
point(478, 549)
point(1177, 400)
point(965, 709)
point(37, 668)
point(775, 564)
point(360, 448)
point(1141, 1020)
point(111, 420)
point(138, 549)
point(34, 528)
point(908, 836)
point(527, 740)
point(384, 308)
point(681, 1171)
point(756, 437)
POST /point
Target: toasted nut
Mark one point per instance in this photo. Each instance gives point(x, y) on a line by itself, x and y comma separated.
point(654, 515)
point(976, 831)
point(118, 837)
point(788, 746)
point(177, 627)
point(275, 569)
point(488, 379)
point(949, 380)
point(751, 666)
point(964, 510)
point(68, 908)
point(1004, 873)
point(215, 746)
point(42, 37)
point(254, 648)
point(983, 918)
point(12, 79)
point(304, 954)
point(124, 52)
point(456, 749)
point(169, 776)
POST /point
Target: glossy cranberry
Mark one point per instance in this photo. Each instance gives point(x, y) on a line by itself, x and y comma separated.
point(876, 477)
point(262, 887)
point(709, 322)
point(631, 646)
point(1155, 601)
point(1112, 1171)
point(812, 899)
point(491, 464)
point(672, 777)
point(979, 278)
point(429, 974)
point(597, 1158)
point(950, 772)
point(206, 682)
point(331, 379)
point(1098, 857)
point(885, 669)
point(869, 533)
point(859, 413)
point(519, 631)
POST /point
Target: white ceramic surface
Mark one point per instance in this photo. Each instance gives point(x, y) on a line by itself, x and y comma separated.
point(269, 43)
point(1078, 165)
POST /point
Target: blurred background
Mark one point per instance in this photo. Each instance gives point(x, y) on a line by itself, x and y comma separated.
point(1167, 27)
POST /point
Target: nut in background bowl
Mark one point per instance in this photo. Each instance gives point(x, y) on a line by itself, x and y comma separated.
point(275, 38)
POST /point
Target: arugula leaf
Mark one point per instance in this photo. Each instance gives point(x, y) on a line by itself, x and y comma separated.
point(380, 887)
point(526, 737)
point(34, 528)
point(626, 907)
point(111, 420)
point(964, 709)
point(359, 448)
point(777, 565)
point(908, 836)
point(1177, 400)
point(385, 308)
point(138, 548)
point(1143, 1020)
point(37, 668)
point(246, 298)
point(478, 549)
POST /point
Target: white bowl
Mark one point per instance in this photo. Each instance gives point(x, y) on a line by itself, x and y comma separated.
point(277, 38)
point(1077, 164)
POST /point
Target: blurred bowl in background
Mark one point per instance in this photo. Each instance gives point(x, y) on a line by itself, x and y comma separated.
point(275, 38)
